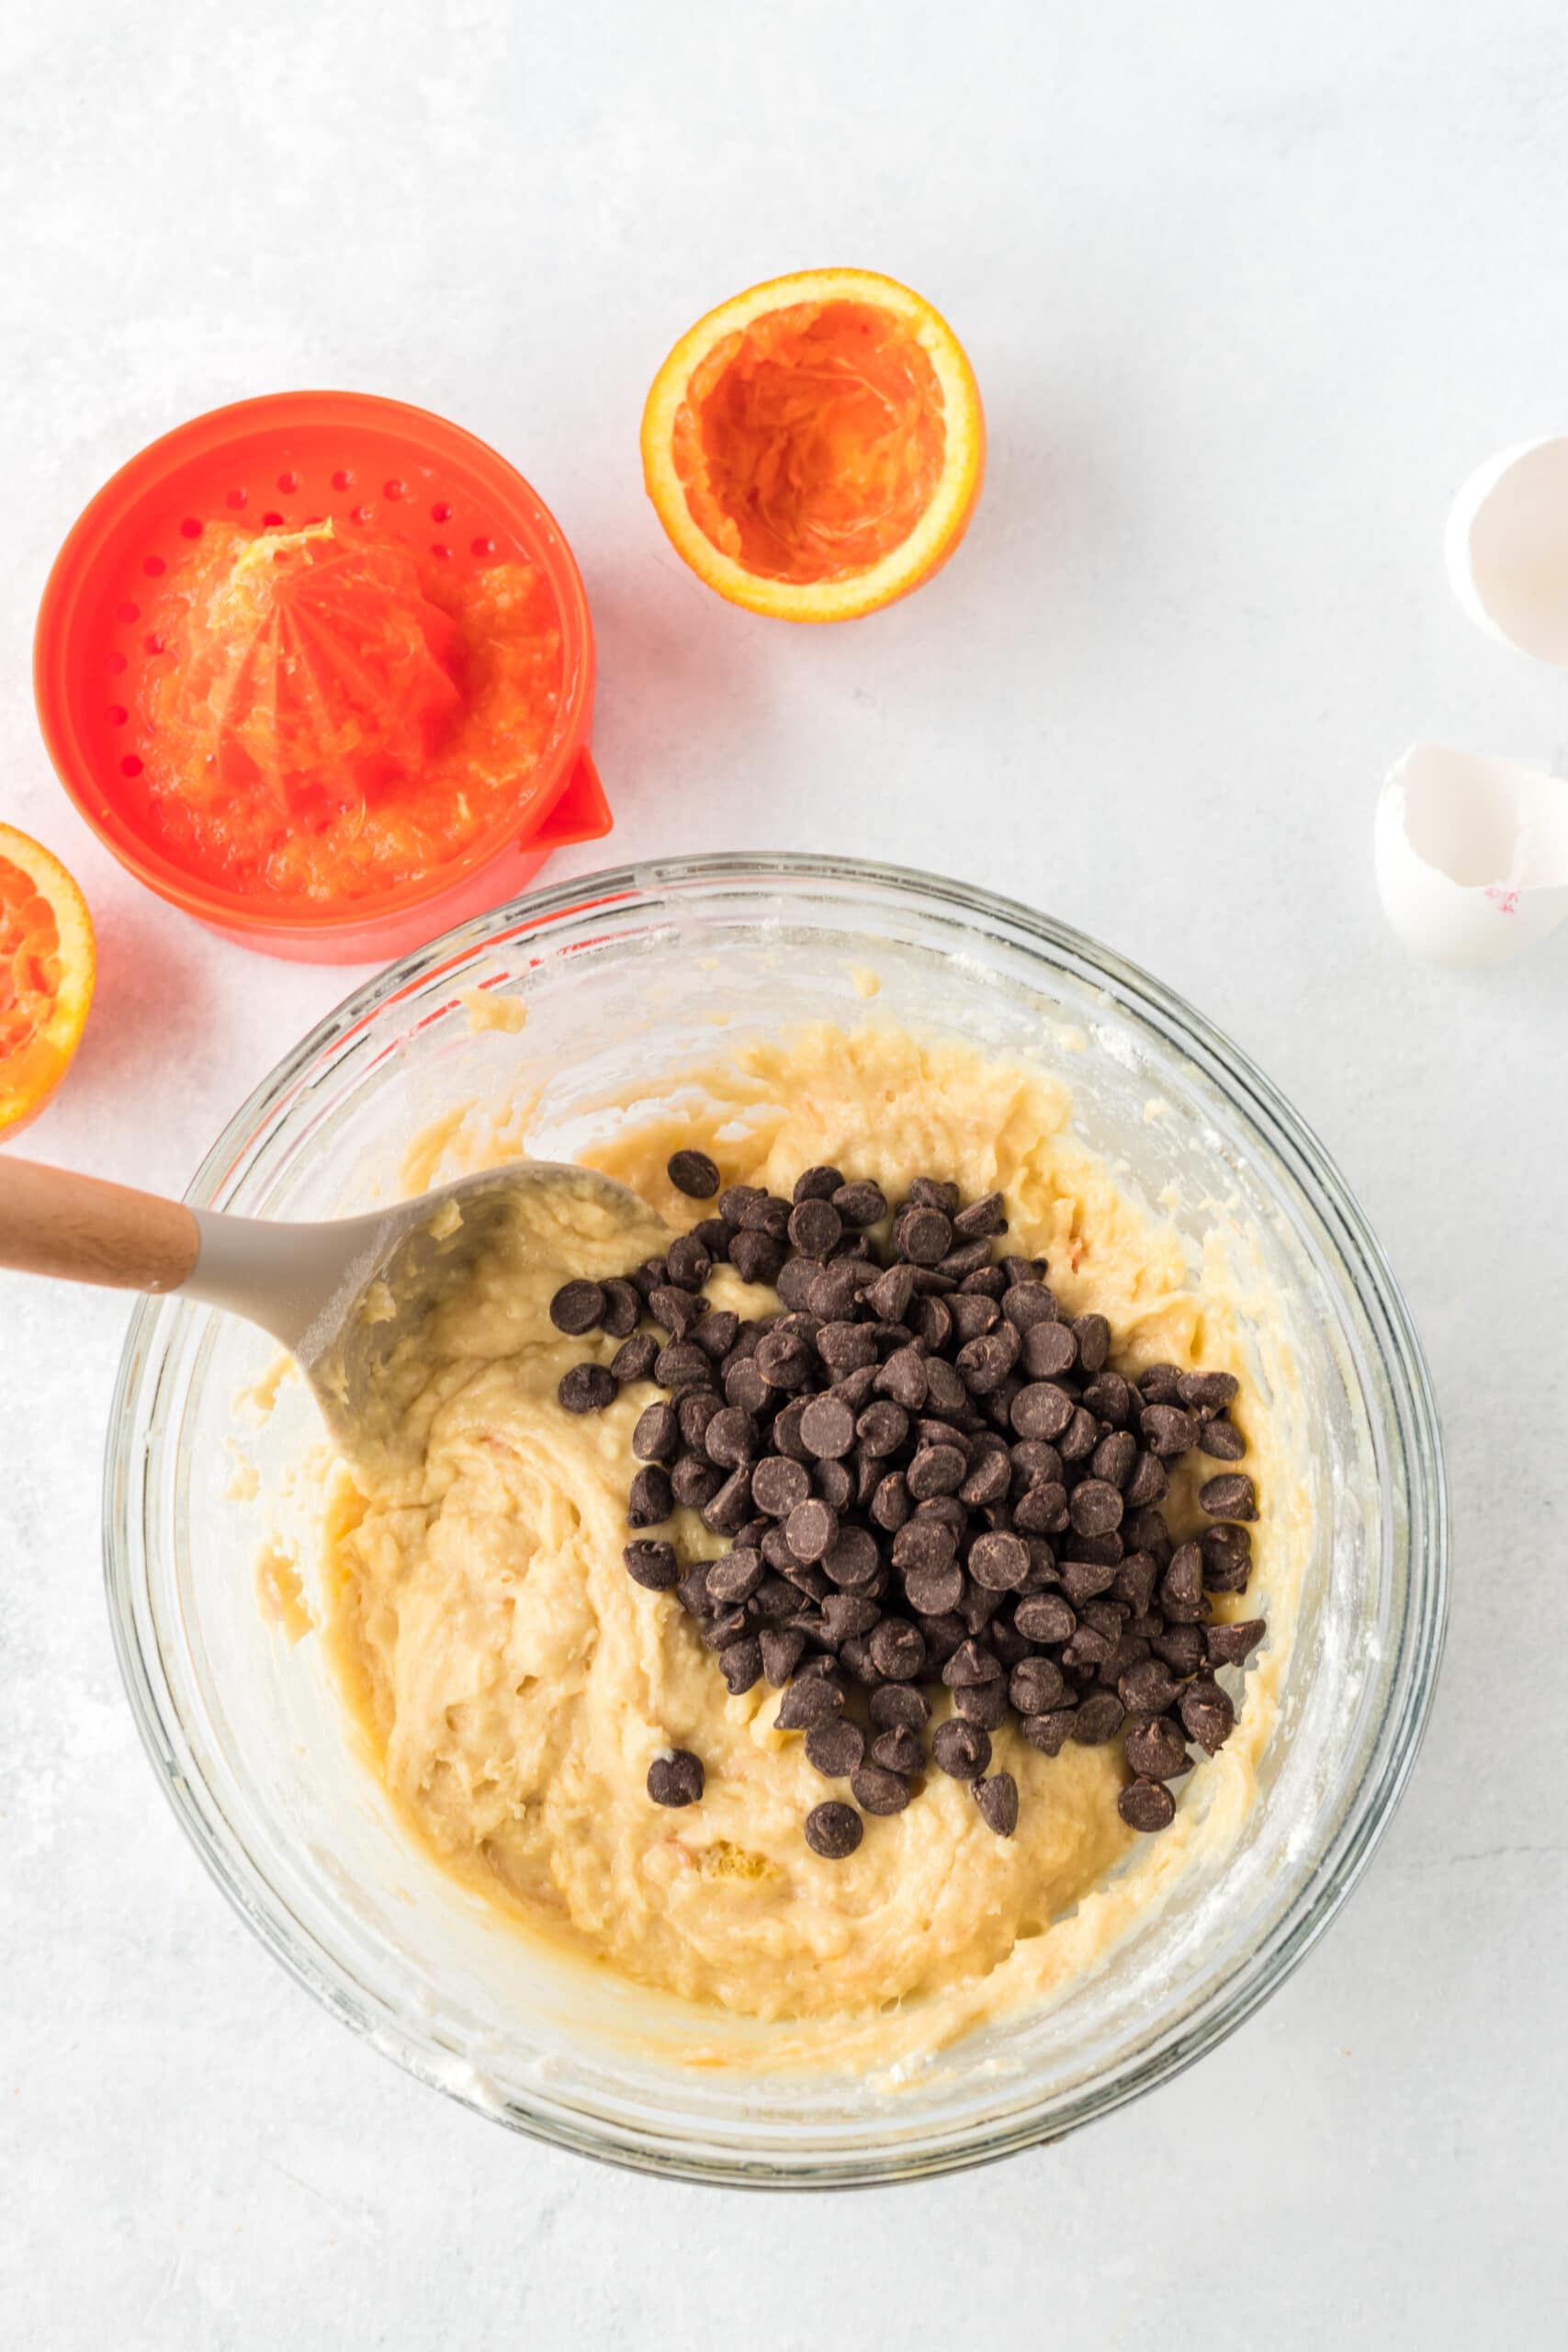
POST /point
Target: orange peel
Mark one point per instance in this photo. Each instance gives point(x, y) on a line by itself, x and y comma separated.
point(814, 447)
point(48, 965)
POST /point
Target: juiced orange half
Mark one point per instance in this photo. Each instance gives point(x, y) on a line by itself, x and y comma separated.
point(814, 447)
point(48, 963)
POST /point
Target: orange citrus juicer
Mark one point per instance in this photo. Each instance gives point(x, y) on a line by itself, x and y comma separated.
point(48, 964)
point(814, 447)
point(326, 670)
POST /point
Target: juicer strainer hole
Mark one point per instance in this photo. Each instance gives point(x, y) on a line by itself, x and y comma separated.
point(152, 644)
point(117, 714)
point(115, 664)
point(271, 518)
point(236, 499)
point(342, 478)
point(190, 528)
point(131, 764)
point(288, 483)
point(442, 554)
point(362, 515)
point(127, 611)
point(393, 489)
point(482, 546)
point(442, 511)
point(152, 565)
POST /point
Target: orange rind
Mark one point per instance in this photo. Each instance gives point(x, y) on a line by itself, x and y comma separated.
point(814, 447)
point(48, 964)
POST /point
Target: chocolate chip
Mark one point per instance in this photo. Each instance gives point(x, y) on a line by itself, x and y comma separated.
point(811, 1529)
point(878, 1790)
point(731, 1438)
point(984, 1704)
point(653, 1565)
point(1147, 1804)
point(852, 1560)
point(827, 1428)
point(1146, 1531)
point(935, 1470)
point(930, 1320)
point(693, 1589)
point(577, 1309)
point(999, 1561)
point(933, 1591)
point(1227, 1558)
point(693, 1173)
point(1234, 1643)
point(1092, 1333)
point(1036, 1685)
point(815, 1228)
point(1207, 1392)
point(1181, 1587)
point(1049, 1351)
point(633, 1359)
point(741, 1662)
point(1149, 1689)
point(969, 1664)
point(834, 1483)
point(657, 1437)
point(1115, 1457)
point(899, 1703)
point(735, 1578)
point(809, 1701)
point(1042, 1410)
point(1099, 1719)
point(651, 1498)
point(900, 1749)
point(1166, 1430)
point(1155, 1748)
point(675, 1779)
point(588, 1388)
point(1208, 1714)
point(990, 1477)
point(695, 1482)
point(1160, 1385)
point(847, 1614)
point(782, 1651)
point(779, 1484)
point(1134, 1582)
point(835, 1749)
point(923, 1236)
point(756, 1257)
point(1109, 1398)
point(997, 1801)
point(728, 1510)
point(1146, 1484)
point(1181, 1646)
point(714, 1237)
point(1049, 1733)
point(961, 1750)
point(891, 1504)
point(1222, 1441)
point(688, 1262)
point(1045, 1617)
point(695, 1411)
point(816, 1185)
point(1230, 1495)
point(1082, 1579)
point(1027, 1305)
point(898, 1649)
point(681, 1365)
point(981, 1218)
point(860, 1204)
point(622, 1311)
point(1095, 1507)
point(833, 1830)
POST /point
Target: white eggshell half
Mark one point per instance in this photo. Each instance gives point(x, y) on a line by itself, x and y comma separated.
point(1472, 854)
point(1508, 547)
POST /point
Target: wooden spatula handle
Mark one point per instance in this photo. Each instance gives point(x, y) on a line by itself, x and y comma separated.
point(80, 1229)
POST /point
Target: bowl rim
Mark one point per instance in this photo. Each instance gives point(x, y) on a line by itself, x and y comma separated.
point(1408, 1698)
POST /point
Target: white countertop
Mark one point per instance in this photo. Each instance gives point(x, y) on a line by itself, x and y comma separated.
point(1248, 292)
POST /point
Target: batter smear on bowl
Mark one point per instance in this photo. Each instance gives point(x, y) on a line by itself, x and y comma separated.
point(602, 1754)
point(326, 714)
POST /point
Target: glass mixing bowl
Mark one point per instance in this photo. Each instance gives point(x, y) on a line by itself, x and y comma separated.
point(623, 976)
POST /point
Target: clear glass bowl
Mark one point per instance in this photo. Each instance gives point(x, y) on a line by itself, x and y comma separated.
point(622, 974)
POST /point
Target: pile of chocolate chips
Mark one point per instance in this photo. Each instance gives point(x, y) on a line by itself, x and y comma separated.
point(927, 1475)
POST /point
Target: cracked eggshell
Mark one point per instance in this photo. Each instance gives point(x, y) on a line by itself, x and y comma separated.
point(1472, 854)
point(1507, 549)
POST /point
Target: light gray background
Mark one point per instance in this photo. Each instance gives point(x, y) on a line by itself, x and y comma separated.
point(1248, 290)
